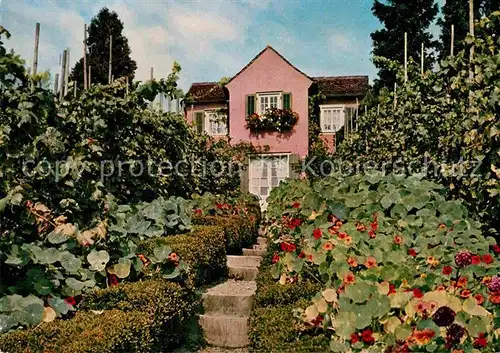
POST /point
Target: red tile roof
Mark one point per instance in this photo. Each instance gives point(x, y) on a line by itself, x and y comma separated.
point(342, 85)
point(207, 92)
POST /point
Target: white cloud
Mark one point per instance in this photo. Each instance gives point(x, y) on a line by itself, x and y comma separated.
point(342, 42)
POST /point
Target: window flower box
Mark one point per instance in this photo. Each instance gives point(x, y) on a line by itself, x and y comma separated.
point(274, 119)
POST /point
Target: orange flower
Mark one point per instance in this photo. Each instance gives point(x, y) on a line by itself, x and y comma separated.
point(442, 226)
point(342, 235)
point(421, 307)
point(371, 262)
point(398, 240)
point(352, 262)
point(338, 224)
point(486, 280)
point(349, 278)
point(432, 261)
point(495, 298)
point(479, 298)
point(333, 230)
point(173, 257)
point(360, 227)
point(328, 246)
point(465, 293)
point(348, 240)
point(423, 337)
point(441, 288)
point(462, 282)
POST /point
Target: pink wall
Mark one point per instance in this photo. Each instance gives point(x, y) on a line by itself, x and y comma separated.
point(189, 113)
point(268, 73)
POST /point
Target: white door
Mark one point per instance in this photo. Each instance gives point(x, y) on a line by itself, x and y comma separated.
point(266, 172)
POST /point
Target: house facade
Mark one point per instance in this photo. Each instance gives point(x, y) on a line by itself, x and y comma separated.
point(271, 88)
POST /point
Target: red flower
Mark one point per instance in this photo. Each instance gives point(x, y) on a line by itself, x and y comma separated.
point(496, 248)
point(301, 255)
point(284, 246)
point(70, 301)
point(371, 234)
point(374, 226)
point(479, 298)
point(495, 298)
point(219, 206)
point(317, 321)
point(292, 247)
point(398, 240)
point(317, 234)
point(360, 227)
point(392, 289)
point(294, 223)
point(476, 260)
point(276, 258)
point(354, 338)
point(296, 205)
point(367, 336)
point(90, 140)
point(370, 262)
point(113, 280)
point(465, 293)
point(487, 259)
point(342, 235)
point(447, 270)
point(197, 211)
point(480, 341)
point(417, 293)
point(412, 252)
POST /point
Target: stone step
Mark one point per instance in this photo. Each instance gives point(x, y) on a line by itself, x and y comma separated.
point(243, 261)
point(261, 241)
point(260, 247)
point(225, 331)
point(233, 298)
point(243, 273)
point(253, 252)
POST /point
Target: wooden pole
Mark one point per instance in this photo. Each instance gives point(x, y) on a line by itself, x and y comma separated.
point(74, 89)
point(35, 54)
point(378, 110)
point(406, 56)
point(110, 58)
point(471, 31)
point(85, 79)
point(126, 86)
point(357, 115)
point(66, 78)
point(395, 95)
point(90, 76)
point(63, 75)
point(452, 44)
point(152, 72)
point(56, 83)
point(422, 60)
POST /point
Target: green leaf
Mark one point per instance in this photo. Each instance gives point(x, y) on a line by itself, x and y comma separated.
point(56, 238)
point(176, 272)
point(6, 322)
point(59, 305)
point(122, 270)
point(75, 284)
point(70, 262)
point(161, 253)
point(98, 260)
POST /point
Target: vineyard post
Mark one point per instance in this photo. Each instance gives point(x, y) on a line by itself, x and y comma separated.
point(452, 44)
point(56, 84)
point(110, 57)
point(422, 59)
point(66, 72)
point(85, 79)
point(471, 31)
point(63, 75)
point(90, 76)
point(35, 54)
point(406, 56)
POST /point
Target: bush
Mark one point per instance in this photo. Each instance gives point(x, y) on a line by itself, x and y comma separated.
point(403, 268)
point(112, 331)
point(240, 232)
point(203, 250)
point(274, 329)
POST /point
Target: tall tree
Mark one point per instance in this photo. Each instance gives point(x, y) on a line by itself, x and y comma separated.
point(398, 17)
point(103, 25)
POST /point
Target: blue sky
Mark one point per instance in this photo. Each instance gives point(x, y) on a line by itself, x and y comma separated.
point(210, 39)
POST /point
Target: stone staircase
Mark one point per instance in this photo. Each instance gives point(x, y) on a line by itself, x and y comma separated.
point(228, 305)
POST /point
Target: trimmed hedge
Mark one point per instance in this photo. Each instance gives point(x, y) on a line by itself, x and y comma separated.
point(240, 232)
point(147, 316)
point(204, 251)
point(272, 327)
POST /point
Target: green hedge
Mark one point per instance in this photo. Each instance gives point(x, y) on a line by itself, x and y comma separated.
point(203, 250)
point(274, 329)
point(240, 232)
point(147, 316)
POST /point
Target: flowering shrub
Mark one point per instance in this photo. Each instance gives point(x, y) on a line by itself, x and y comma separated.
point(245, 205)
point(274, 119)
point(403, 269)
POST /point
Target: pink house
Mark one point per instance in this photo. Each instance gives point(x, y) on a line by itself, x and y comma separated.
point(270, 83)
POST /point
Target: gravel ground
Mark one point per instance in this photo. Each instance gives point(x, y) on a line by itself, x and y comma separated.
point(234, 288)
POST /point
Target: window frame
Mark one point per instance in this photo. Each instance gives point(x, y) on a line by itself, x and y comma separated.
point(324, 107)
point(206, 127)
point(258, 95)
point(251, 171)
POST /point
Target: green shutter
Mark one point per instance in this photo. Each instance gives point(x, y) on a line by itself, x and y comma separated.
point(287, 101)
point(199, 122)
point(250, 104)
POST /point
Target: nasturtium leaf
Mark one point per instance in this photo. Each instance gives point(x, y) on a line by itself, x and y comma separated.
point(330, 295)
point(56, 238)
point(32, 314)
point(122, 270)
point(70, 262)
point(345, 324)
point(75, 284)
point(6, 323)
point(403, 332)
point(321, 304)
point(161, 253)
point(471, 307)
point(311, 312)
point(47, 256)
point(49, 314)
point(98, 260)
point(392, 324)
point(338, 346)
point(176, 272)
point(59, 305)
point(475, 326)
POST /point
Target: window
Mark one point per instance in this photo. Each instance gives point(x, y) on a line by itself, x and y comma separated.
point(266, 172)
point(331, 117)
point(216, 123)
point(267, 101)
